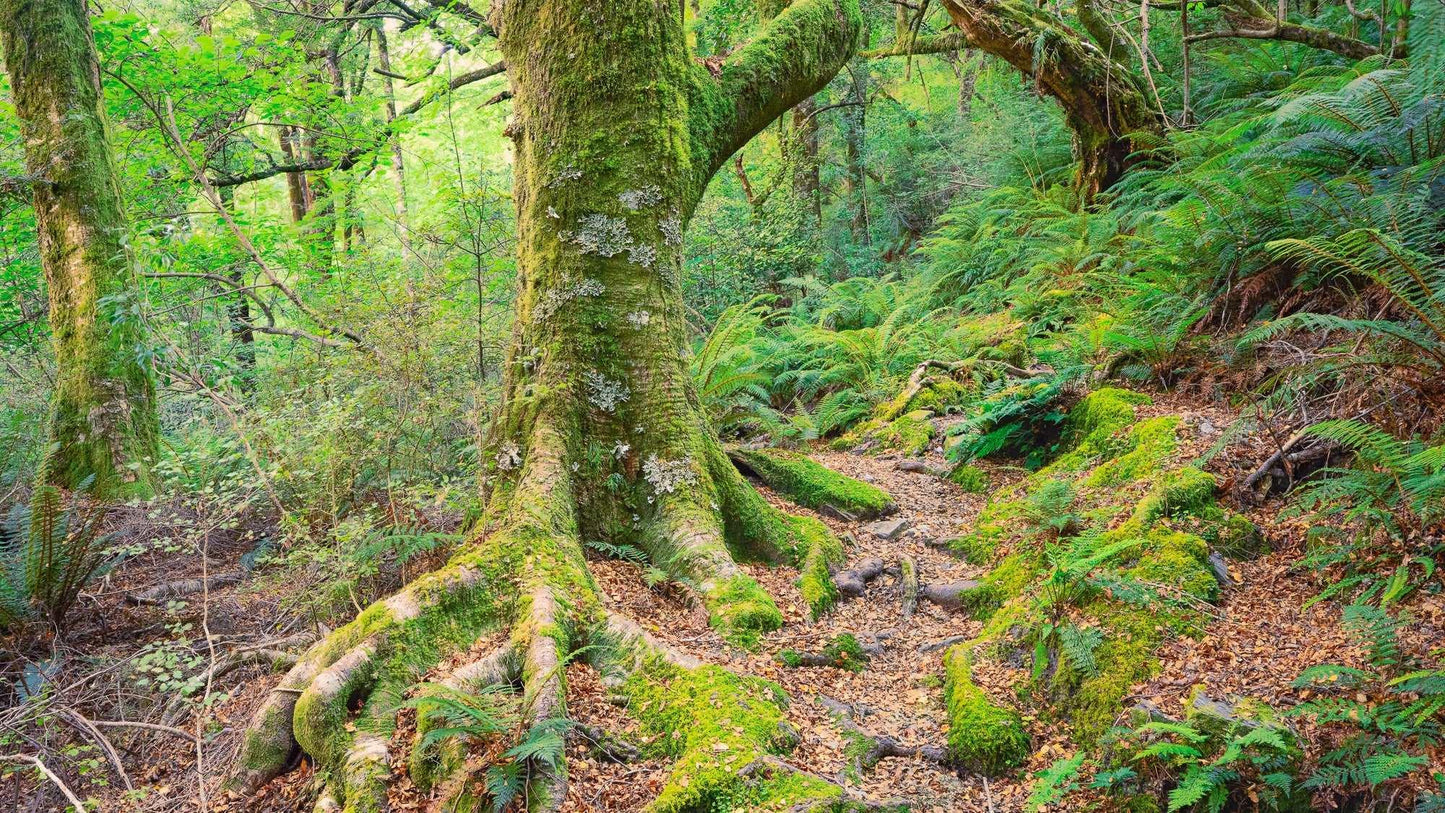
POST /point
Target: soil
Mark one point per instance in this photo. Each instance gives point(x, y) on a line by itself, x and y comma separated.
point(1261, 638)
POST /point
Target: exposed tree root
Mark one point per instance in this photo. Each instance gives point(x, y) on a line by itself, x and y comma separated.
point(874, 747)
point(527, 576)
point(908, 577)
point(822, 794)
point(854, 581)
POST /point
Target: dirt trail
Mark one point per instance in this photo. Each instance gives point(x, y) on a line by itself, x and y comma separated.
point(899, 694)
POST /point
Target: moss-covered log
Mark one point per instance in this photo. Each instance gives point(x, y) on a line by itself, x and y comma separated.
point(600, 435)
point(103, 420)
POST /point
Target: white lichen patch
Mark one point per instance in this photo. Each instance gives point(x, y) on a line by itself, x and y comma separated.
point(643, 255)
point(671, 228)
point(639, 319)
point(620, 449)
point(557, 297)
point(634, 199)
point(603, 392)
point(601, 235)
point(509, 457)
point(552, 213)
point(666, 476)
point(565, 174)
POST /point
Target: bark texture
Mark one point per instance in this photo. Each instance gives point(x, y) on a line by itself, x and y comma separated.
point(617, 131)
point(1102, 98)
point(103, 421)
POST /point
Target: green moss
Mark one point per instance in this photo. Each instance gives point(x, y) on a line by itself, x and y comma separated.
point(1185, 491)
point(940, 396)
point(845, 653)
point(1180, 560)
point(810, 484)
point(712, 723)
point(741, 610)
point(1148, 444)
point(970, 478)
point(982, 736)
point(1094, 420)
point(1124, 659)
point(1236, 537)
point(910, 433)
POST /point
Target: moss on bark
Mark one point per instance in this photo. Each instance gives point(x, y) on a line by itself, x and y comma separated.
point(103, 417)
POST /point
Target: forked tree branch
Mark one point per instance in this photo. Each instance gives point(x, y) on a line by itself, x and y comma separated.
point(798, 53)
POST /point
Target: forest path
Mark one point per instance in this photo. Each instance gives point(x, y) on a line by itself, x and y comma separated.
point(900, 692)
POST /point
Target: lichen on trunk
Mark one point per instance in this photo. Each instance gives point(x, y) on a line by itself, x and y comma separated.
point(616, 132)
point(103, 416)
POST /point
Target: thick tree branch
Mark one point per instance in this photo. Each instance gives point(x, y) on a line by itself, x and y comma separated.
point(1103, 99)
point(918, 46)
point(798, 53)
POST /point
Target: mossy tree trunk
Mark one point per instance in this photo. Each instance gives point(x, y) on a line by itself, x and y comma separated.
point(617, 131)
point(103, 420)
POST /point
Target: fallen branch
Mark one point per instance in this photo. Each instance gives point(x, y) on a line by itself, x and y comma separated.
point(165, 591)
point(55, 780)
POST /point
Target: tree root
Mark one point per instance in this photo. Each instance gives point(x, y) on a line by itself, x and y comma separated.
point(525, 575)
point(908, 577)
point(874, 747)
point(826, 795)
point(854, 581)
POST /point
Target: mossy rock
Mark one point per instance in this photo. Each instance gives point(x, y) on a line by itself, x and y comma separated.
point(942, 395)
point(1236, 537)
point(970, 478)
point(1179, 560)
point(1147, 448)
point(811, 484)
point(982, 737)
point(909, 433)
point(1187, 491)
point(1102, 413)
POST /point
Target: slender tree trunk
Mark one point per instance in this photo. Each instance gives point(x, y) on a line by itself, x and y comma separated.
point(803, 156)
point(296, 192)
point(855, 137)
point(238, 313)
point(398, 162)
point(103, 424)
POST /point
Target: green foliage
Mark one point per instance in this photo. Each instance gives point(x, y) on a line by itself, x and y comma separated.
point(1209, 771)
point(1389, 716)
point(49, 552)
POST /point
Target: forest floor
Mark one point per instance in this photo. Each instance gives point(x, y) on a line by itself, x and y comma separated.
point(1259, 640)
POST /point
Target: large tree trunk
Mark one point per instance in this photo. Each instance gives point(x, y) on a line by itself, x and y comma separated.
point(103, 424)
point(617, 132)
point(1103, 100)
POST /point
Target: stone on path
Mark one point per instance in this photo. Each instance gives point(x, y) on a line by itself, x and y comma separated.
point(889, 529)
